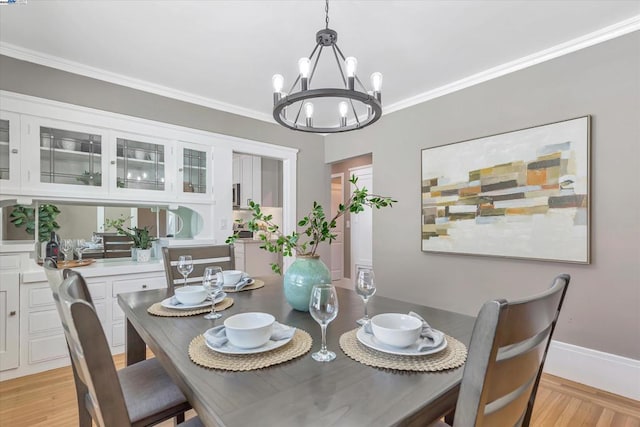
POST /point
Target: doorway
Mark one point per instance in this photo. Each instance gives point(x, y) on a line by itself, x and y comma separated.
point(362, 224)
point(337, 245)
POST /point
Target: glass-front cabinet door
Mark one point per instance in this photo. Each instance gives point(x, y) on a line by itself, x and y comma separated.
point(194, 169)
point(70, 157)
point(9, 149)
point(140, 163)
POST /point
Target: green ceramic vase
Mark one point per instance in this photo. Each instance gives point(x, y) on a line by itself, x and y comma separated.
point(299, 279)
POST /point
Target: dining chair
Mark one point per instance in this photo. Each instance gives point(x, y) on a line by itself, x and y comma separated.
point(203, 256)
point(137, 395)
point(508, 348)
point(115, 246)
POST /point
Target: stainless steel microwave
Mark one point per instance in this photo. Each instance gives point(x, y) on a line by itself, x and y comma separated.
point(235, 191)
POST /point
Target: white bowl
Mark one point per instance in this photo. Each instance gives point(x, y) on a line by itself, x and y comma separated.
point(249, 330)
point(191, 295)
point(68, 144)
point(396, 329)
point(231, 277)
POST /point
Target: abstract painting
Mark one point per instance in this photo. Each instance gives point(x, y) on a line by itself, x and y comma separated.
point(521, 194)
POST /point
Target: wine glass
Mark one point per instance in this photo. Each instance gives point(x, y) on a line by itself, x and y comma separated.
point(67, 249)
point(185, 266)
point(365, 287)
point(79, 249)
point(213, 280)
point(323, 306)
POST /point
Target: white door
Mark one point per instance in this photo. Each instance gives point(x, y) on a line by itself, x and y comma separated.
point(362, 225)
point(337, 246)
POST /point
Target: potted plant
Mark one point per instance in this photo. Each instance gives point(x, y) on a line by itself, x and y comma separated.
point(141, 237)
point(25, 216)
point(307, 269)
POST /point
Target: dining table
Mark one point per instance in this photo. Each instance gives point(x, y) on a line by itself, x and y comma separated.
point(302, 391)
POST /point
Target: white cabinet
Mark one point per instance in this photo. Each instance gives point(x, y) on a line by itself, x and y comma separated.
point(253, 260)
point(247, 170)
point(194, 171)
point(61, 156)
point(42, 156)
point(9, 320)
point(9, 150)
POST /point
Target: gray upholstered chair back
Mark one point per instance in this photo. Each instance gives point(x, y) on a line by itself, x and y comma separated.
point(203, 256)
point(506, 356)
point(90, 354)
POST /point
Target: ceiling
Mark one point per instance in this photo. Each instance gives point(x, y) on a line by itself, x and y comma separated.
point(222, 54)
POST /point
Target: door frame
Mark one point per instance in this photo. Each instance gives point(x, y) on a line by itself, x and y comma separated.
point(352, 245)
point(341, 176)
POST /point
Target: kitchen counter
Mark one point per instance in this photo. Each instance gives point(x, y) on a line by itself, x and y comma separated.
point(102, 267)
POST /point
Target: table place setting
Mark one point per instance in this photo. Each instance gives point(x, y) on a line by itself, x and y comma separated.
point(248, 341)
point(237, 281)
point(192, 300)
point(403, 342)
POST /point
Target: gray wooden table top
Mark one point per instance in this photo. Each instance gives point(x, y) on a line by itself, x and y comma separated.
point(301, 392)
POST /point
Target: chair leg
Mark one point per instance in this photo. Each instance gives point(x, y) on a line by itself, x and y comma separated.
point(449, 417)
point(180, 418)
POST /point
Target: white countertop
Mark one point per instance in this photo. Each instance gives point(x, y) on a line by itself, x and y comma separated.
point(102, 267)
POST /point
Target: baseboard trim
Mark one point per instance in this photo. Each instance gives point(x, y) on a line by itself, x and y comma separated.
point(605, 371)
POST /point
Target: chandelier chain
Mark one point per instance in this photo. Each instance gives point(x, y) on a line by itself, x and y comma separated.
point(326, 12)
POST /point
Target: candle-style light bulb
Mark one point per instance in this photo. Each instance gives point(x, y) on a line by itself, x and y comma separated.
point(351, 64)
point(343, 107)
point(278, 82)
point(376, 83)
point(304, 65)
point(308, 111)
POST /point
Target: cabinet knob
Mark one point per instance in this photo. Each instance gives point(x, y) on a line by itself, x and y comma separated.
point(180, 170)
point(113, 162)
point(14, 151)
point(144, 286)
point(12, 313)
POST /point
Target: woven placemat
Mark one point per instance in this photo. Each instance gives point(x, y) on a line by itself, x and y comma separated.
point(202, 355)
point(158, 310)
point(453, 356)
point(257, 284)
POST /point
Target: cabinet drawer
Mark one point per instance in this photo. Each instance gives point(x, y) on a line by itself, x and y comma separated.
point(122, 286)
point(49, 320)
point(98, 290)
point(9, 262)
point(40, 297)
point(48, 348)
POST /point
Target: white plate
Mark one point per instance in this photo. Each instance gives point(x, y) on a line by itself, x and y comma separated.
point(229, 349)
point(206, 303)
point(370, 341)
point(249, 283)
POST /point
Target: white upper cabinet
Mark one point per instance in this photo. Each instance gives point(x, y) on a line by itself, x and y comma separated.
point(61, 156)
point(247, 171)
point(9, 150)
point(194, 171)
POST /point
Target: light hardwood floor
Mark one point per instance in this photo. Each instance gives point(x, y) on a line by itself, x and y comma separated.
point(48, 399)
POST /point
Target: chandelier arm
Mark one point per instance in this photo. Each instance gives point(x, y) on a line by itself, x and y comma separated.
point(315, 64)
point(361, 85)
point(344, 80)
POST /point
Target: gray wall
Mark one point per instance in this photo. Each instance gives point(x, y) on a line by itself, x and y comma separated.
point(35, 80)
point(602, 309)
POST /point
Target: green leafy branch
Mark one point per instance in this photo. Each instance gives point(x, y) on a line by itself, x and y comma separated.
point(23, 216)
point(318, 227)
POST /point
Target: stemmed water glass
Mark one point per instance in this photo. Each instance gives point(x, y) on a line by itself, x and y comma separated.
point(79, 249)
point(185, 266)
point(213, 280)
point(67, 249)
point(323, 306)
point(365, 287)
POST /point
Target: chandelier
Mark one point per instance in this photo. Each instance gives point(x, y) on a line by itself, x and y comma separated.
point(343, 108)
